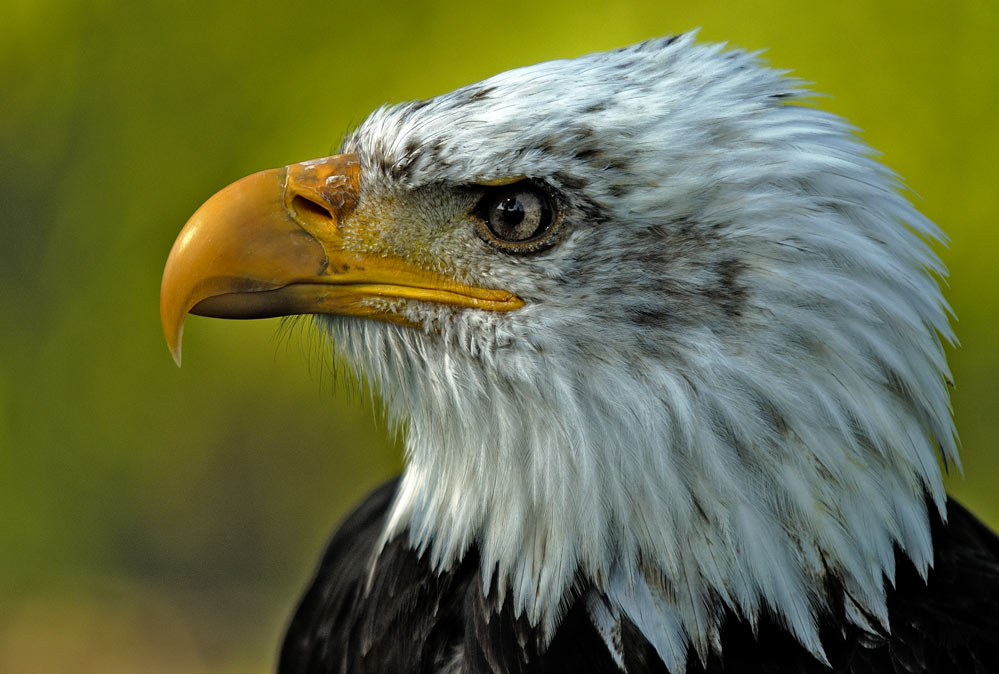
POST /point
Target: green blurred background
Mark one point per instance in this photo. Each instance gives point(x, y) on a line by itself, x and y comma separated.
point(155, 519)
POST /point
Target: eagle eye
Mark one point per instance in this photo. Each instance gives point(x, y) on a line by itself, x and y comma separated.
point(516, 217)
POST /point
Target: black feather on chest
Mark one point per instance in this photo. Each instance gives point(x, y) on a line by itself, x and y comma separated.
point(395, 615)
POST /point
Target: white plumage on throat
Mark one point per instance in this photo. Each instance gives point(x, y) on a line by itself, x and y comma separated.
point(727, 386)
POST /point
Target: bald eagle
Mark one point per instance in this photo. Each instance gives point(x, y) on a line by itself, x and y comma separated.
point(666, 345)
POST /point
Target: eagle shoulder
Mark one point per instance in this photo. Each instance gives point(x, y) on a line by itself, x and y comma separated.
point(371, 610)
point(948, 622)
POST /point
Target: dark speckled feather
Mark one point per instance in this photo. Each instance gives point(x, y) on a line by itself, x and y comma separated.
point(412, 620)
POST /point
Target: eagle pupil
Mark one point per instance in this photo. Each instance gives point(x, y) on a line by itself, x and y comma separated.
point(510, 212)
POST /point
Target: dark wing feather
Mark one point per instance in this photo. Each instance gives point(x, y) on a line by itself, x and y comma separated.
point(315, 641)
point(950, 624)
point(410, 620)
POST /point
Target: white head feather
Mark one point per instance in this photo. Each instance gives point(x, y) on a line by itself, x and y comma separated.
point(727, 386)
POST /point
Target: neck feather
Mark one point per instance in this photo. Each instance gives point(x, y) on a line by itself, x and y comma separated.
point(678, 492)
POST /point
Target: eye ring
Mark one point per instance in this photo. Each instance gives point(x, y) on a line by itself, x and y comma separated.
point(519, 217)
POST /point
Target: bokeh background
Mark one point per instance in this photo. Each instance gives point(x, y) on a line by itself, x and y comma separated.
point(163, 520)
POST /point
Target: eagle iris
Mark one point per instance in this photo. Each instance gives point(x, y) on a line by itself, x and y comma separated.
point(515, 214)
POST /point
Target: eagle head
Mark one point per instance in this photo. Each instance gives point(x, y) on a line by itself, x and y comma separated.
point(651, 322)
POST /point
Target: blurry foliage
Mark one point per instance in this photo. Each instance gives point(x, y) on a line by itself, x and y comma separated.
point(161, 519)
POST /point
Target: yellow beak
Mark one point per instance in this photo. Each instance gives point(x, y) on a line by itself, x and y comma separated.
point(272, 244)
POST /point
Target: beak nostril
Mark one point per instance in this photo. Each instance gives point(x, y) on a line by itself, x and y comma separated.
point(307, 208)
point(322, 192)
